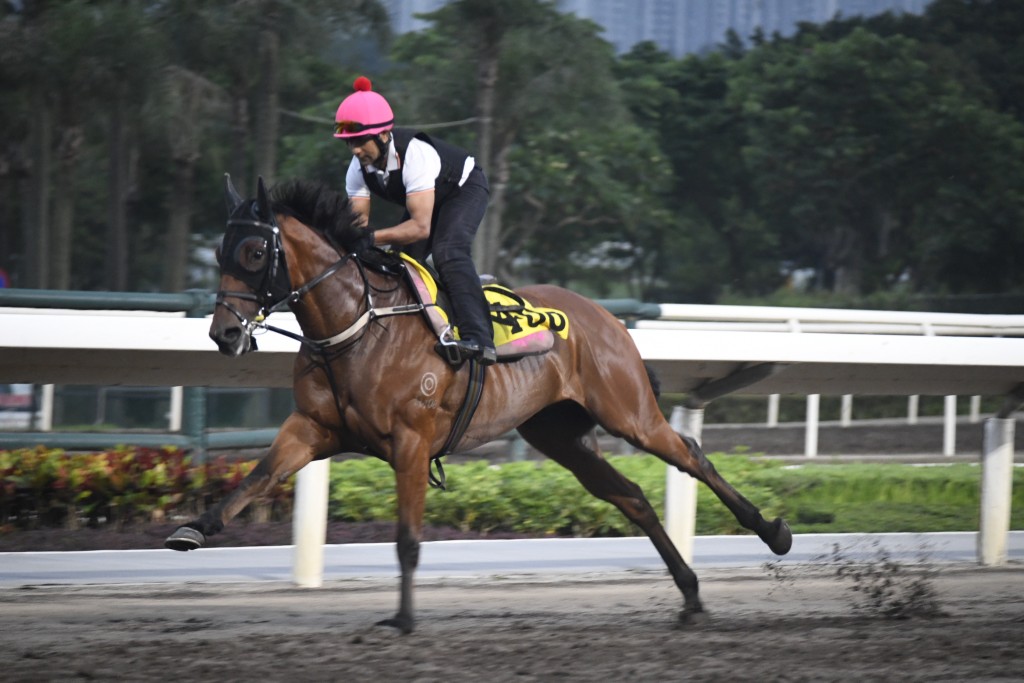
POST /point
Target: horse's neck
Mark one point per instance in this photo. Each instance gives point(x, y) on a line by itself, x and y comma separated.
point(340, 301)
point(388, 290)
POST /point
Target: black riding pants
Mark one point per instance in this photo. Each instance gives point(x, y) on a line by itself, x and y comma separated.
point(455, 223)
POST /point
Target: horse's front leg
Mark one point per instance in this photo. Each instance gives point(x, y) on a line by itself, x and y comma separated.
point(299, 441)
point(412, 465)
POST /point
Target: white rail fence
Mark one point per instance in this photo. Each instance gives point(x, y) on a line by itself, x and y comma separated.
point(694, 317)
point(704, 352)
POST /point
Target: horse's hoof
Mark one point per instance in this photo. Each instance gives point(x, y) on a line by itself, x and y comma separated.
point(782, 541)
point(402, 624)
point(185, 538)
point(691, 617)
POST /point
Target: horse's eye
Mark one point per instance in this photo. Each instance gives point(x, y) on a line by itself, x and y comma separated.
point(252, 254)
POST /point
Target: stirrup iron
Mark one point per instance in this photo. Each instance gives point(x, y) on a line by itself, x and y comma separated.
point(447, 347)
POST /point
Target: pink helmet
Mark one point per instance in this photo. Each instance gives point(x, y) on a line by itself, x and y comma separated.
point(364, 112)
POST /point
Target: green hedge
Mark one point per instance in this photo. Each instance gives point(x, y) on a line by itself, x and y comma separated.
point(48, 487)
point(40, 487)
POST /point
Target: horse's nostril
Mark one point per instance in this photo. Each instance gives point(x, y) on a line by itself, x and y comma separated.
point(226, 335)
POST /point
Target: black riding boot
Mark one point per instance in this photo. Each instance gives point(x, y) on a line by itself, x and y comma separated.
point(454, 229)
point(470, 313)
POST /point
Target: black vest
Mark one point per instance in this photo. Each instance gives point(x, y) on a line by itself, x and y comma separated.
point(453, 162)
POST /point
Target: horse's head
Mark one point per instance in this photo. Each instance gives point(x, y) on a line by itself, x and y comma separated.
point(320, 232)
point(254, 275)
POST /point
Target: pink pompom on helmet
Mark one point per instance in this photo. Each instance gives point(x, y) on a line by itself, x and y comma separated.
point(364, 112)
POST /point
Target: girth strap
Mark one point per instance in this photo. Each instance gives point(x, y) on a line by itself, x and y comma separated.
point(474, 391)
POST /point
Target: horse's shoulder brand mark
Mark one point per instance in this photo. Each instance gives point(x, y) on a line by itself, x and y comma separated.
point(428, 384)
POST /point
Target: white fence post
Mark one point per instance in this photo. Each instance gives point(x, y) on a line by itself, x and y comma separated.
point(811, 432)
point(46, 409)
point(681, 488)
point(174, 416)
point(773, 410)
point(846, 410)
point(309, 523)
point(996, 490)
point(975, 409)
point(949, 426)
point(912, 404)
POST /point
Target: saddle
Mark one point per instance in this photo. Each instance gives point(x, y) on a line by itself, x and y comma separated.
point(520, 329)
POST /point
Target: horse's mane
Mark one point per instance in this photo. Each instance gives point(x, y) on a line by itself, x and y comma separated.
point(330, 213)
point(319, 207)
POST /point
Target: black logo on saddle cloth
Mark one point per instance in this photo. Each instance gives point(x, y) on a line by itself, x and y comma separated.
point(511, 311)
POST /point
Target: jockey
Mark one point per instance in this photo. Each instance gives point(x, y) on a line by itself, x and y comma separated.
point(444, 194)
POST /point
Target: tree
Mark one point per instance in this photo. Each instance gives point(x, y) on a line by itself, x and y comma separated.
point(834, 131)
point(185, 106)
point(988, 40)
point(580, 216)
point(129, 53)
point(507, 62)
point(26, 69)
point(57, 58)
point(75, 29)
point(717, 241)
point(951, 231)
point(966, 210)
point(206, 40)
point(256, 40)
point(187, 102)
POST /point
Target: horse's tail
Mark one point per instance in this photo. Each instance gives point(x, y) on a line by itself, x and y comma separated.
point(653, 379)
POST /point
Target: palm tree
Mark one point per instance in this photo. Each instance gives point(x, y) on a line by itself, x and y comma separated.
point(525, 77)
point(129, 52)
point(188, 103)
point(27, 67)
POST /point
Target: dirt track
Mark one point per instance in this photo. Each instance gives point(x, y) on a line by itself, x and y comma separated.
point(608, 628)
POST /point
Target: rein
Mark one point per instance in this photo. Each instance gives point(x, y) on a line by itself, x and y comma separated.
point(320, 345)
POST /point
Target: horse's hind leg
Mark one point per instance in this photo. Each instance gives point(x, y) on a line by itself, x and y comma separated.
point(645, 427)
point(775, 534)
point(564, 432)
point(684, 453)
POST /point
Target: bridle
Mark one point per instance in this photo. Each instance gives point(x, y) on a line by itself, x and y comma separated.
point(273, 291)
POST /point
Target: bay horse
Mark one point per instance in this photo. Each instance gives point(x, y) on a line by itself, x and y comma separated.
point(368, 380)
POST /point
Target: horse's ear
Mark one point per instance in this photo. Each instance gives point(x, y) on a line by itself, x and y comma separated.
point(231, 196)
point(263, 201)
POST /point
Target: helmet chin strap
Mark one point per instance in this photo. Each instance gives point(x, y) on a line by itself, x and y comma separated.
point(382, 145)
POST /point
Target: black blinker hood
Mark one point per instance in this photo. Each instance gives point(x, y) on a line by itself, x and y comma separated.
point(254, 219)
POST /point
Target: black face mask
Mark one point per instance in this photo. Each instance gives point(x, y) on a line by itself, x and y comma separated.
point(251, 252)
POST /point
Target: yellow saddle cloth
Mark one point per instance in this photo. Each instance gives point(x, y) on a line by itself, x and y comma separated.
point(520, 329)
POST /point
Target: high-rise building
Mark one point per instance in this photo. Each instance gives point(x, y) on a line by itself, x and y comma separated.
point(683, 26)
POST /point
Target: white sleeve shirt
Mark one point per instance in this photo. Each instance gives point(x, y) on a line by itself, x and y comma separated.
point(419, 169)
